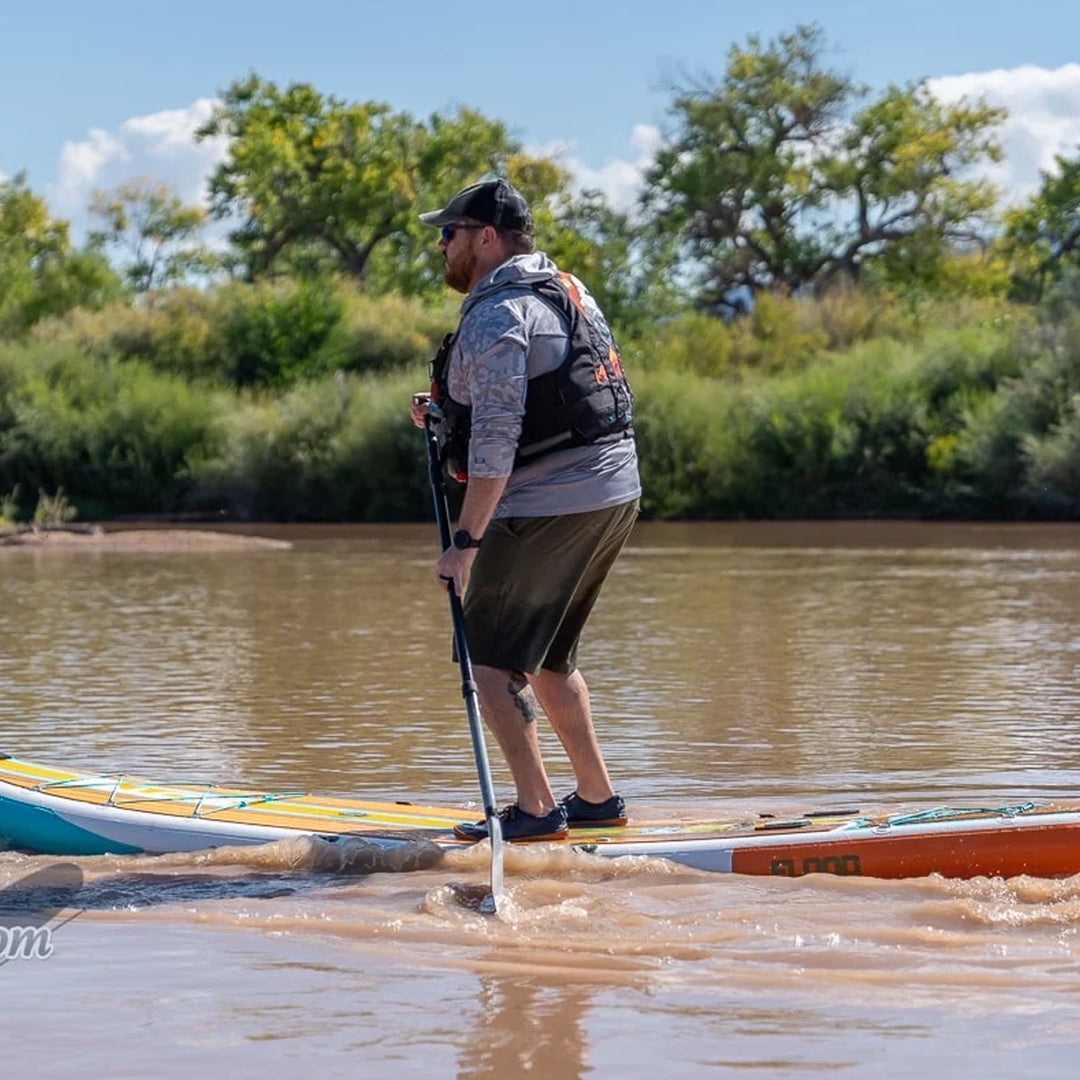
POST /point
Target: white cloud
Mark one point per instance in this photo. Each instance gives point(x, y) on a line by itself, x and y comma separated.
point(82, 162)
point(621, 178)
point(1044, 119)
point(161, 145)
point(171, 131)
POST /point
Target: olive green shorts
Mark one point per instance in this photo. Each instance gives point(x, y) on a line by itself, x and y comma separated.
point(534, 583)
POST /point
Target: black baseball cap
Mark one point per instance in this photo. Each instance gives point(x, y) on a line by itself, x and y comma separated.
point(492, 202)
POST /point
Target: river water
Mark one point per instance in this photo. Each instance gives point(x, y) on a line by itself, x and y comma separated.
point(735, 668)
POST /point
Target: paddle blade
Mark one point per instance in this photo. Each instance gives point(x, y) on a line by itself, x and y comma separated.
point(490, 904)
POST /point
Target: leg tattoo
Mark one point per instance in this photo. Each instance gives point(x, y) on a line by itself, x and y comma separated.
point(522, 696)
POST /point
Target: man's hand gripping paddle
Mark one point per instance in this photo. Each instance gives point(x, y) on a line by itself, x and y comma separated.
point(489, 904)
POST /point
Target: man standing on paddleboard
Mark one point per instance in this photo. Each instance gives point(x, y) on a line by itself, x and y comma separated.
point(533, 411)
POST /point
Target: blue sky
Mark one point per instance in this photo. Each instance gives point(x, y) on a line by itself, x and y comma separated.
point(592, 78)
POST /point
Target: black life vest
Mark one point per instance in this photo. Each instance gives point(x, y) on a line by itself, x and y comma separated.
point(585, 400)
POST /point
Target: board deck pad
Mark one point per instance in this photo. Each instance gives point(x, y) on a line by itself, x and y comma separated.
point(58, 811)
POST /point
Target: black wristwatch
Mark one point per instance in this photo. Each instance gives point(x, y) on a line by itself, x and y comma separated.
point(463, 539)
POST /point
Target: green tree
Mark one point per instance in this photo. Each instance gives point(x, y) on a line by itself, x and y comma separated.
point(40, 273)
point(901, 163)
point(1042, 239)
point(318, 185)
point(629, 268)
point(774, 180)
point(154, 230)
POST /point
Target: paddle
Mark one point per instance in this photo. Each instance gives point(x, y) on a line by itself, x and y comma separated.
point(489, 904)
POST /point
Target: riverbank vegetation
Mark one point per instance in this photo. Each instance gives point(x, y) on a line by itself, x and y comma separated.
point(853, 331)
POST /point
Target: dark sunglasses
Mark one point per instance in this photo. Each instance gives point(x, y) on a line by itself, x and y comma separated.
point(449, 230)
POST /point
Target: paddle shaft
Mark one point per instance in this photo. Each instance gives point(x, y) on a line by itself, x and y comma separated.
point(468, 682)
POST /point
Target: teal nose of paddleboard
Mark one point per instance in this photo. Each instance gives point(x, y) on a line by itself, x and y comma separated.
point(46, 832)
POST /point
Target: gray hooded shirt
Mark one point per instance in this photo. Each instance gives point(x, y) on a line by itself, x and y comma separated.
point(509, 335)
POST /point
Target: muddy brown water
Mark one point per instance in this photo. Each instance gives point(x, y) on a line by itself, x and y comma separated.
point(735, 669)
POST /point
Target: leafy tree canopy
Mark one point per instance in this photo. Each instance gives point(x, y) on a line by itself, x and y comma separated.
point(153, 230)
point(40, 273)
point(776, 180)
point(318, 184)
point(1043, 238)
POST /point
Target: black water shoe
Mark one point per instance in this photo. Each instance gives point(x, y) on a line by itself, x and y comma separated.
point(592, 815)
point(517, 825)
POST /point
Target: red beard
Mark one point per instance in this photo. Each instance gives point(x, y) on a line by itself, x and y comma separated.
point(458, 272)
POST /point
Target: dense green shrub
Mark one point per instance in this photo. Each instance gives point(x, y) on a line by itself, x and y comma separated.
point(277, 333)
point(271, 334)
point(118, 437)
point(876, 431)
point(339, 448)
point(967, 409)
point(1016, 453)
point(693, 342)
point(780, 334)
point(678, 418)
point(172, 331)
point(391, 333)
